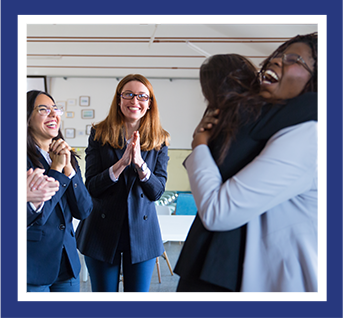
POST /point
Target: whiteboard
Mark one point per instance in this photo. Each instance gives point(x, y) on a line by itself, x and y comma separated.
point(180, 103)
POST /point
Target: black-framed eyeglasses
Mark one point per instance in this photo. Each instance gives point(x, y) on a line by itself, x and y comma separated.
point(44, 110)
point(141, 97)
point(292, 58)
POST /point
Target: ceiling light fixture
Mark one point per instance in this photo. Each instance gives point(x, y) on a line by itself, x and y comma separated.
point(152, 38)
point(197, 49)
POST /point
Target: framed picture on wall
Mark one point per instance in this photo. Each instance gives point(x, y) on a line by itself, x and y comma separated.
point(70, 132)
point(86, 114)
point(69, 114)
point(84, 101)
point(88, 129)
point(71, 102)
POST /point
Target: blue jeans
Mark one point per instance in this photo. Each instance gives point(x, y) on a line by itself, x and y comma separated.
point(69, 285)
point(105, 276)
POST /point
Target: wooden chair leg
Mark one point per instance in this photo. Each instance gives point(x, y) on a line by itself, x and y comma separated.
point(158, 269)
point(168, 263)
point(121, 275)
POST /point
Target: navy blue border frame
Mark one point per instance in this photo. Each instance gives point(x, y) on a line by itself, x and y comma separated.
point(10, 307)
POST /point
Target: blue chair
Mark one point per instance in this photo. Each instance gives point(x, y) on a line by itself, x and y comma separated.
point(185, 204)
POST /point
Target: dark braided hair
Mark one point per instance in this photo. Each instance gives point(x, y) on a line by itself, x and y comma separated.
point(32, 143)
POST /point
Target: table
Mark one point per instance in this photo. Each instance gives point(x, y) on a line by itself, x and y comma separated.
point(175, 227)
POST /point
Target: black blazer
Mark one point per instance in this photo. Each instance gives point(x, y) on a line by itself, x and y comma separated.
point(52, 229)
point(217, 257)
point(98, 235)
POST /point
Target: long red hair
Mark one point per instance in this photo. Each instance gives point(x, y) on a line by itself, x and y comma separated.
point(111, 129)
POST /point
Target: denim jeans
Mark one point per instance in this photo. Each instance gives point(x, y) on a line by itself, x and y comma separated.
point(69, 285)
point(105, 276)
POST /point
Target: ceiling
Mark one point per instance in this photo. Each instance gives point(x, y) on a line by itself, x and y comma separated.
point(153, 50)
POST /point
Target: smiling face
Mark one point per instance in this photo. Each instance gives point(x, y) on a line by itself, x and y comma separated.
point(133, 109)
point(282, 81)
point(43, 127)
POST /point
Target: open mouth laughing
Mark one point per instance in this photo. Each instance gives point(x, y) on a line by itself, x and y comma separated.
point(269, 77)
point(51, 124)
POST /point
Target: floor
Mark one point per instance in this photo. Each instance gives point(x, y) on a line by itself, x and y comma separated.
point(168, 282)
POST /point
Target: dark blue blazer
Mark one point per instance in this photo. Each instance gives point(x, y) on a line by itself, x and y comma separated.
point(113, 202)
point(52, 229)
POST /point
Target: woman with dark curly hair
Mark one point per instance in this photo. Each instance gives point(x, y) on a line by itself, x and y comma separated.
point(253, 174)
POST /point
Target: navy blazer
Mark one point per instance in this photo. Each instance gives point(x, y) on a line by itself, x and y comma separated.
point(113, 202)
point(52, 229)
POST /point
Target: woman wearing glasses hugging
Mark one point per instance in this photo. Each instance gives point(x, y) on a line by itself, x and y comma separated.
point(126, 171)
point(253, 174)
point(53, 263)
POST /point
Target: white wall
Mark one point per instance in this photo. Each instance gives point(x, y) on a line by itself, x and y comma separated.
point(180, 103)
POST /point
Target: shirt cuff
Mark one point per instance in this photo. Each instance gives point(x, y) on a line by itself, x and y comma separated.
point(36, 210)
point(73, 173)
point(147, 177)
point(112, 176)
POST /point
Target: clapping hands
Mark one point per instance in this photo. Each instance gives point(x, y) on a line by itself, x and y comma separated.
point(40, 187)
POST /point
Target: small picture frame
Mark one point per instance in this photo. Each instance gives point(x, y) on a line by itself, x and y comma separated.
point(71, 102)
point(61, 124)
point(84, 101)
point(70, 132)
point(87, 113)
point(69, 114)
point(88, 129)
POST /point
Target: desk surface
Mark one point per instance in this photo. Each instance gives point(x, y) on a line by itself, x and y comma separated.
point(175, 227)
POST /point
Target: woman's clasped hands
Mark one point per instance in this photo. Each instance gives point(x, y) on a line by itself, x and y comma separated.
point(59, 152)
point(136, 150)
point(132, 154)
